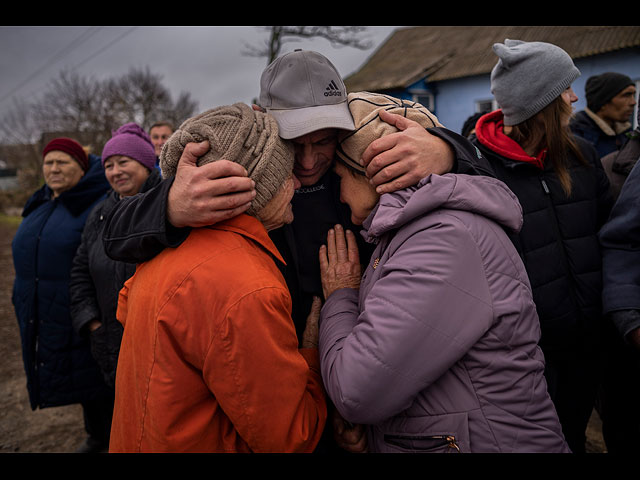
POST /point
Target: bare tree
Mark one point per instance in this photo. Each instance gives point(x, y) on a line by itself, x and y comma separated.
point(341, 36)
point(89, 110)
point(72, 103)
point(21, 130)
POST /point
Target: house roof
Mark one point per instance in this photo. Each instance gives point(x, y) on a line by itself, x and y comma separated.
point(448, 52)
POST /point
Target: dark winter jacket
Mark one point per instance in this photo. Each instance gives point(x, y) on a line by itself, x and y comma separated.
point(585, 127)
point(438, 350)
point(558, 241)
point(618, 164)
point(95, 283)
point(137, 230)
point(620, 240)
point(58, 363)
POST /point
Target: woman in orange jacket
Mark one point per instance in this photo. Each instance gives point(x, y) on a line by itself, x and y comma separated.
point(209, 360)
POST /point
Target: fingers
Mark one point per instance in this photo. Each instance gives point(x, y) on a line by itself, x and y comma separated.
point(229, 202)
point(310, 334)
point(353, 254)
point(384, 169)
point(331, 247)
point(316, 305)
point(337, 250)
point(398, 121)
point(374, 149)
point(388, 141)
point(228, 188)
point(341, 244)
point(212, 170)
point(193, 151)
point(322, 257)
point(223, 168)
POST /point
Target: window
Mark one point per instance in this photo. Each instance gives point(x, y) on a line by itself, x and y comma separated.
point(486, 105)
point(424, 98)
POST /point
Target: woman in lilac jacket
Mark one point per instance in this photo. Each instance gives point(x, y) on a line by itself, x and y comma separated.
point(435, 348)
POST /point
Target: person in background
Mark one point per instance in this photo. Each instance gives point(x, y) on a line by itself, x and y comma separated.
point(58, 363)
point(138, 228)
point(564, 193)
point(436, 348)
point(210, 360)
point(129, 164)
point(619, 163)
point(160, 133)
point(620, 392)
point(611, 98)
point(469, 126)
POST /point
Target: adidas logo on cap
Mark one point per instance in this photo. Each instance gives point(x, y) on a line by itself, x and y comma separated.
point(332, 90)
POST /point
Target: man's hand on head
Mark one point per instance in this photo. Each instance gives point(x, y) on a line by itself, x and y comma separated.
point(207, 194)
point(399, 160)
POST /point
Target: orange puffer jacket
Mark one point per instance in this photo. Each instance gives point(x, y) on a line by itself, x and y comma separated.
point(209, 360)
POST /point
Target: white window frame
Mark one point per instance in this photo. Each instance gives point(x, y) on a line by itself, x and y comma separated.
point(480, 103)
point(418, 95)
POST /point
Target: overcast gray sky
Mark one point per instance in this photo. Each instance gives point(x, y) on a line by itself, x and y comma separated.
point(206, 62)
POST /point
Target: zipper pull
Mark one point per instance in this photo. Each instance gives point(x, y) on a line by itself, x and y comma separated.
point(452, 442)
point(544, 186)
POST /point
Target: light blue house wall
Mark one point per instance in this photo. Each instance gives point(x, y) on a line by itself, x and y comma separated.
point(455, 100)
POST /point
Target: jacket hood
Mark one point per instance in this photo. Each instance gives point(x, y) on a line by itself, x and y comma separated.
point(490, 133)
point(482, 195)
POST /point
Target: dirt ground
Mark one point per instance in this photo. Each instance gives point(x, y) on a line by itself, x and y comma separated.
point(60, 429)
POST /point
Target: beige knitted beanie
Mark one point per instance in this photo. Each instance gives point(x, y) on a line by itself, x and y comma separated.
point(364, 107)
point(239, 134)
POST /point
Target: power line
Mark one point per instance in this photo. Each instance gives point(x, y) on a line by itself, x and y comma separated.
point(79, 40)
point(91, 57)
point(67, 49)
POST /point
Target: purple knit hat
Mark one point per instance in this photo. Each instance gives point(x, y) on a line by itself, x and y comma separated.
point(132, 141)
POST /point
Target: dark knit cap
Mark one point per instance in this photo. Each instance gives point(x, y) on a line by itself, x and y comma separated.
point(602, 88)
point(239, 134)
point(70, 147)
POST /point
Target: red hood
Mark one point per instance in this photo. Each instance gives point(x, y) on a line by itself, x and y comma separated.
point(490, 133)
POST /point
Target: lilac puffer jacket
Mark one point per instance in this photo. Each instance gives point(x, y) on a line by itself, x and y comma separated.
point(438, 351)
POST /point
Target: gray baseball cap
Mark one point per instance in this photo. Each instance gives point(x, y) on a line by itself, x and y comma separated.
point(304, 92)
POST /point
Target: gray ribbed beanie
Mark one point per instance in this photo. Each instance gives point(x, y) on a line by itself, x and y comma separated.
point(528, 77)
point(239, 134)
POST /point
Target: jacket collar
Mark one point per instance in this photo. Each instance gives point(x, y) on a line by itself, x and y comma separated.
point(490, 133)
point(619, 127)
point(252, 228)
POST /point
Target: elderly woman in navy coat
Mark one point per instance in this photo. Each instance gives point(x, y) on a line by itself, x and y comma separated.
point(58, 363)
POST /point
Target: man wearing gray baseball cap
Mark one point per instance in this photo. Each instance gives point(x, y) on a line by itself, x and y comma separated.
point(305, 93)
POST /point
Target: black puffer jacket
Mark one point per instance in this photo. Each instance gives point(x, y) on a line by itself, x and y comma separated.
point(559, 240)
point(95, 283)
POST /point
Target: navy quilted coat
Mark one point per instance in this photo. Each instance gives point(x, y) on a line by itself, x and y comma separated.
point(58, 363)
